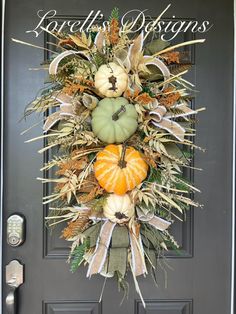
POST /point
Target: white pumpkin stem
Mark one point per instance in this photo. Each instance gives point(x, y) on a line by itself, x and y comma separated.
point(116, 115)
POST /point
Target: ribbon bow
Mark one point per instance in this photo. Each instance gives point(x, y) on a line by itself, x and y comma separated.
point(97, 262)
point(67, 109)
point(161, 119)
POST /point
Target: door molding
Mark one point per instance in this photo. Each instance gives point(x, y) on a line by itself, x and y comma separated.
point(1, 148)
point(233, 201)
point(232, 305)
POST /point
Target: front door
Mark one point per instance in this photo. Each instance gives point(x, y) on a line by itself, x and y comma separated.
point(196, 281)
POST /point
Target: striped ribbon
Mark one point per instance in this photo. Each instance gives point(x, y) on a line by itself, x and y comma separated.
point(162, 120)
point(96, 264)
point(67, 109)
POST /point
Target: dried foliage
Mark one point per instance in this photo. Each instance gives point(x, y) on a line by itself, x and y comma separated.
point(169, 97)
point(171, 57)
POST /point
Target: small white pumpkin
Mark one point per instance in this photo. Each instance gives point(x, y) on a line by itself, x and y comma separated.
point(118, 208)
point(111, 80)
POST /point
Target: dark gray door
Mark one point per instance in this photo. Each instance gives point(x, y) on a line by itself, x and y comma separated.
point(200, 280)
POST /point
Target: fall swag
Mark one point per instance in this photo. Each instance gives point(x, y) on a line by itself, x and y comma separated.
point(118, 114)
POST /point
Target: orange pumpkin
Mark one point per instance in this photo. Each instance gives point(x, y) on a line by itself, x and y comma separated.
point(119, 169)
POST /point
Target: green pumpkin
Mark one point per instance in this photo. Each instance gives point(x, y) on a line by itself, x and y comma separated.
point(114, 120)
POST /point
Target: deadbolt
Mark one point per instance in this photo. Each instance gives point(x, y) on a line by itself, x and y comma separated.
point(15, 230)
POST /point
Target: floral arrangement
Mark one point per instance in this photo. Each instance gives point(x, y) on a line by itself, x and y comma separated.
point(117, 111)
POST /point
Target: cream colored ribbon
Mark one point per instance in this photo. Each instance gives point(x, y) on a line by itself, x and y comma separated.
point(53, 67)
point(162, 120)
point(67, 109)
point(159, 223)
point(153, 220)
point(100, 254)
point(161, 66)
point(137, 254)
point(68, 106)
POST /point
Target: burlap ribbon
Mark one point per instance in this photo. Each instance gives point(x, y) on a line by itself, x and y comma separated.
point(137, 254)
point(118, 253)
point(159, 223)
point(161, 66)
point(97, 264)
point(53, 67)
point(152, 219)
point(67, 109)
point(102, 245)
point(162, 120)
point(66, 105)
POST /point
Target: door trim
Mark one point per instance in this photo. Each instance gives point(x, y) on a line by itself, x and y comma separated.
point(233, 201)
point(1, 149)
point(232, 299)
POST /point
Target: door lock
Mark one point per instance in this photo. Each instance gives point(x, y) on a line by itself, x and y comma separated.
point(15, 230)
point(14, 279)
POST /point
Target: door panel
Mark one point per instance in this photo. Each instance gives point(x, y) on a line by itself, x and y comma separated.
point(165, 307)
point(197, 281)
point(72, 308)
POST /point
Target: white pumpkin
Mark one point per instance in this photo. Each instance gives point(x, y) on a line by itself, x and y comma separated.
point(111, 80)
point(118, 208)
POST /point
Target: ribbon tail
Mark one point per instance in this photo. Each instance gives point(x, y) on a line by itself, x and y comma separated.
point(54, 64)
point(51, 121)
point(172, 127)
point(159, 223)
point(66, 109)
point(186, 111)
point(63, 98)
point(160, 65)
point(137, 258)
point(102, 245)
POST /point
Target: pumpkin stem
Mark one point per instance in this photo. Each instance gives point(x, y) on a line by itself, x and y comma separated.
point(120, 216)
point(116, 115)
point(112, 79)
point(122, 162)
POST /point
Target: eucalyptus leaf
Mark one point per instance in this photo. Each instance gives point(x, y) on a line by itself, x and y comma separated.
point(151, 237)
point(155, 46)
point(175, 151)
point(154, 74)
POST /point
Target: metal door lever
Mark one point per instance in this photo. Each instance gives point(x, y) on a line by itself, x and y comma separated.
point(14, 278)
point(11, 302)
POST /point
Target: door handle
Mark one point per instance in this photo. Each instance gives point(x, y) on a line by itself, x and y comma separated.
point(11, 302)
point(14, 279)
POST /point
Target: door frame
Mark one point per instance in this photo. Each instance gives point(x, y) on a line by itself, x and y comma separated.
point(1, 149)
point(233, 201)
point(233, 228)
